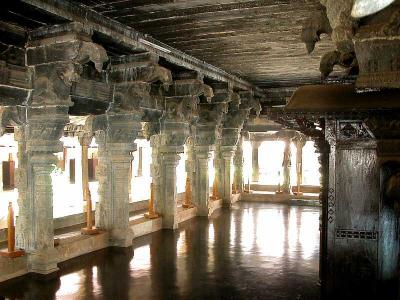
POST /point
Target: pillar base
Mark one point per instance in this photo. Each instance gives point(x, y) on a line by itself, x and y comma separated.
point(12, 254)
point(151, 215)
point(43, 261)
point(89, 231)
point(121, 238)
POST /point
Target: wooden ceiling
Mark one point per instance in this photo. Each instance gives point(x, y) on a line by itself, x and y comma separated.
point(258, 40)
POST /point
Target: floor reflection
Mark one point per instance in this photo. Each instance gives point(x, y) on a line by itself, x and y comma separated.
point(253, 251)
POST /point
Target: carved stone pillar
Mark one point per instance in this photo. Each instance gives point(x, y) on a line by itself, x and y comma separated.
point(55, 57)
point(238, 180)
point(232, 125)
point(299, 163)
point(180, 113)
point(207, 135)
point(116, 143)
point(255, 145)
point(226, 172)
point(140, 162)
point(286, 165)
point(203, 154)
point(37, 143)
point(116, 131)
point(155, 170)
point(170, 160)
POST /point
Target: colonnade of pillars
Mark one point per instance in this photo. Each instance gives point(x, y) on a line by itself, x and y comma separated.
point(141, 95)
point(285, 186)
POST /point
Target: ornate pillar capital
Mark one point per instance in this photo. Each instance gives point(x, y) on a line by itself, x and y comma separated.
point(57, 54)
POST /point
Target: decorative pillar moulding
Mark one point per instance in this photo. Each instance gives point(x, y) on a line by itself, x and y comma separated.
point(55, 55)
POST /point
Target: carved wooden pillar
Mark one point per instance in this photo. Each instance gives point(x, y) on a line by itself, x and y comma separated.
point(55, 57)
point(255, 145)
point(323, 149)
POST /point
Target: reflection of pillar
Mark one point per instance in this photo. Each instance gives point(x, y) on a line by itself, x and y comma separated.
point(255, 166)
point(140, 162)
point(286, 164)
point(299, 164)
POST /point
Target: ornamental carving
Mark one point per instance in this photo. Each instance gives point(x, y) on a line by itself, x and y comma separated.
point(350, 130)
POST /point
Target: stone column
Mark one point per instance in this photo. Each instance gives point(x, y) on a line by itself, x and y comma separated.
point(299, 163)
point(255, 166)
point(238, 113)
point(202, 179)
point(227, 157)
point(169, 162)
point(286, 165)
point(56, 63)
point(180, 115)
point(131, 76)
point(116, 144)
point(140, 162)
point(37, 143)
point(208, 131)
point(238, 180)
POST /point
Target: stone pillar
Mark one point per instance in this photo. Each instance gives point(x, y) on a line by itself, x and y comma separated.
point(84, 141)
point(232, 125)
point(208, 131)
point(226, 172)
point(176, 124)
point(155, 170)
point(190, 168)
point(37, 143)
point(131, 76)
point(286, 164)
point(202, 179)
point(55, 56)
point(140, 162)
point(169, 162)
point(299, 163)
point(238, 181)
point(255, 166)
point(116, 144)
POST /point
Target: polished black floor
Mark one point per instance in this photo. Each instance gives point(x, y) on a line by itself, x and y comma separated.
point(253, 251)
